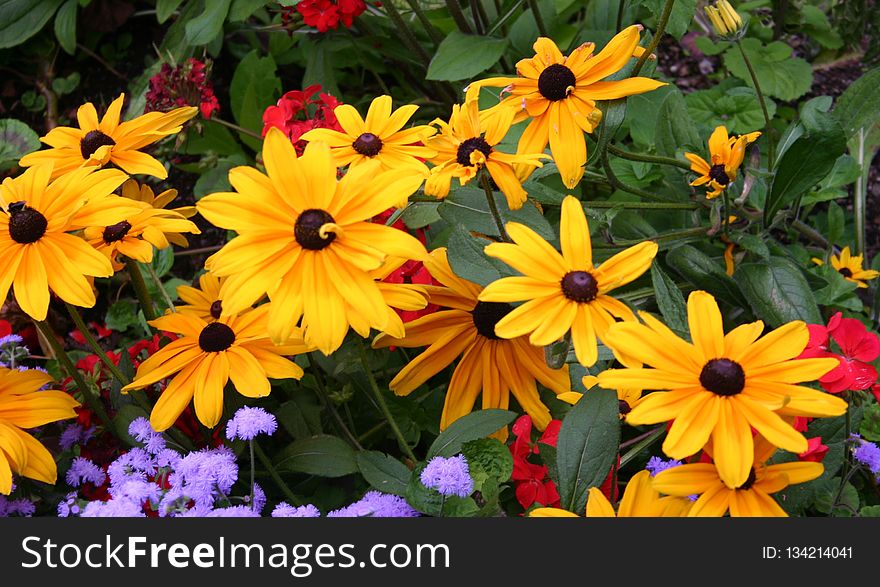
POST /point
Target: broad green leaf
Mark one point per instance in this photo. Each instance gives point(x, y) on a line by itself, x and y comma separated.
point(22, 19)
point(467, 206)
point(462, 56)
point(17, 139)
point(817, 26)
point(202, 29)
point(384, 472)
point(487, 458)
point(642, 111)
point(121, 315)
point(780, 75)
point(675, 128)
point(479, 424)
point(777, 292)
point(254, 87)
point(467, 260)
point(736, 108)
point(323, 455)
point(613, 116)
point(859, 106)
point(65, 26)
point(705, 273)
point(301, 415)
point(587, 447)
point(669, 299)
point(679, 19)
point(420, 214)
point(165, 8)
point(242, 9)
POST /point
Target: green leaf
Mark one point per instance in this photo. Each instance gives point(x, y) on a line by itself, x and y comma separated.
point(468, 207)
point(467, 260)
point(679, 19)
point(780, 75)
point(22, 19)
point(870, 511)
point(669, 300)
point(163, 259)
point(487, 459)
point(859, 106)
point(588, 443)
point(384, 472)
point(121, 315)
point(202, 29)
point(254, 86)
point(475, 425)
point(165, 8)
point(737, 108)
point(752, 243)
point(242, 9)
point(17, 139)
point(462, 56)
point(301, 415)
point(705, 273)
point(420, 214)
point(825, 499)
point(870, 427)
point(706, 45)
point(323, 455)
point(777, 292)
point(613, 116)
point(65, 26)
point(675, 129)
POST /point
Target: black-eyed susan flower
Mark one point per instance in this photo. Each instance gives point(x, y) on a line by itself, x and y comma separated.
point(203, 301)
point(752, 497)
point(726, 155)
point(721, 386)
point(37, 252)
point(399, 296)
point(305, 239)
point(23, 405)
point(151, 226)
point(380, 137)
point(489, 365)
point(560, 93)
point(850, 266)
point(464, 146)
point(206, 356)
point(563, 291)
point(97, 143)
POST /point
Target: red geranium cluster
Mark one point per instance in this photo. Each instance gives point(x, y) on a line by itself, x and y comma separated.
point(183, 85)
point(858, 347)
point(531, 481)
point(298, 111)
point(327, 14)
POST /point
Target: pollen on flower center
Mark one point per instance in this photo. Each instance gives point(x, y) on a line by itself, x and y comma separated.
point(555, 81)
point(216, 309)
point(367, 144)
point(307, 229)
point(487, 314)
point(469, 146)
point(845, 271)
point(580, 286)
point(216, 337)
point(93, 141)
point(116, 232)
point(750, 481)
point(26, 225)
point(719, 174)
point(723, 377)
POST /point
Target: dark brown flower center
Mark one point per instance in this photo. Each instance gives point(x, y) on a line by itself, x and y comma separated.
point(719, 174)
point(487, 314)
point(367, 144)
point(216, 309)
point(93, 141)
point(555, 81)
point(580, 286)
point(723, 377)
point(116, 232)
point(26, 225)
point(750, 481)
point(845, 271)
point(469, 146)
point(216, 337)
point(623, 407)
point(307, 229)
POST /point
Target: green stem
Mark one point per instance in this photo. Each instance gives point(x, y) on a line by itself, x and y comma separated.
point(253, 473)
point(493, 207)
point(767, 128)
point(640, 443)
point(539, 19)
point(454, 8)
point(811, 233)
point(641, 205)
point(621, 5)
point(482, 12)
point(237, 128)
point(406, 34)
point(93, 400)
point(155, 277)
point(323, 397)
point(847, 463)
point(658, 33)
point(725, 222)
point(426, 22)
point(383, 405)
point(648, 158)
point(502, 21)
point(140, 289)
point(616, 183)
point(861, 189)
point(93, 344)
point(264, 460)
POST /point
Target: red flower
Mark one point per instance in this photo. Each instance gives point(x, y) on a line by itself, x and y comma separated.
point(100, 332)
point(530, 480)
point(183, 85)
point(5, 328)
point(815, 452)
point(857, 347)
point(325, 14)
point(316, 113)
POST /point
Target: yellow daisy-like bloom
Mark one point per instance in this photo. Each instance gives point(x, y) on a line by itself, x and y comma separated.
point(726, 154)
point(560, 93)
point(36, 252)
point(403, 296)
point(489, 365)
point(23, 405)
point(640, 500)
point(564, 291)
point(98, 143)
point(464, 147)
point(380, 137)
point(752, 497)
point(152, 226)
point(850, 266)
point(306, 240)
point(206, 356)
point(204, 301)
point(626, 398)
point(721, 386)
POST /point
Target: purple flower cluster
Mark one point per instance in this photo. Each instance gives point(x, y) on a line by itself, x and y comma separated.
point(866, 453)
point(376, 505)
point(285, 510)
point(16, 507)
point(12, 351)
point(449, 476)
point(75, 434)
point(83, 470)
point(656, 465)
point(248, 423)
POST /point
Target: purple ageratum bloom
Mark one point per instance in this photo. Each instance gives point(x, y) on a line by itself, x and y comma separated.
point(140, 430)
point(285, 510)
point(868, 454)
point(249, 422)
point(71, 436)
point(135, 463)
point(376, 505)
point(10, 339)
point(114, 508)
point(449, 476)
point(656, 465)
point(68, 507)
point(83, 470)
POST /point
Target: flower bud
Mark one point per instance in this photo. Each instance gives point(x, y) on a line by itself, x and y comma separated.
point(725, 20)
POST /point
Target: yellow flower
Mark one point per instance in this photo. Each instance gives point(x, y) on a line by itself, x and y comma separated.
point(489, 365)
point(749, 498)
point(152, 226)
point(206, 356)
point(560, 93)
point(379, 137)
point(850, 266)
point(727, 154)
point(564, 291)
point(23, 405)
point(721, 386)
point(96, 144)
point(725, 20)
point(305, 239)
point(37, 253)
point(464, 147)
point(626, 398)
point(203, 302)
